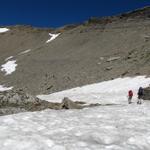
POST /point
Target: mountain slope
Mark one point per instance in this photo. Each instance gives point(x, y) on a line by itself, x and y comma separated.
point(97, 50)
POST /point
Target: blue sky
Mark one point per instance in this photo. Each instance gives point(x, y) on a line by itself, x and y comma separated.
point(56, 13)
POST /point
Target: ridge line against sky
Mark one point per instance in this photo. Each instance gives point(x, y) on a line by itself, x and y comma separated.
point(49, 13)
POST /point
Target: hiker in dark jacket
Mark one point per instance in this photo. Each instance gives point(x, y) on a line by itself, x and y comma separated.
point(140, 95)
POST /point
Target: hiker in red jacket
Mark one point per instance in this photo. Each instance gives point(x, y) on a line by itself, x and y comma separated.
point(130, 95)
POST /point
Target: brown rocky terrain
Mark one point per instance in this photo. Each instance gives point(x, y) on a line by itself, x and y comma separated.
point(16, 101)
point(97, 50)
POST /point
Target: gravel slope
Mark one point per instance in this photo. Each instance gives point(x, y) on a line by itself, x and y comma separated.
point(97, 50)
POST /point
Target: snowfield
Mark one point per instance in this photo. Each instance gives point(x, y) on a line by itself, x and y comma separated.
point(113, 91)
point(2, 30)
point(114, 127)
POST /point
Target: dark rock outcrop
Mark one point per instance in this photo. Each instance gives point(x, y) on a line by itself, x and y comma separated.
point(146, 93)
point(16, 101)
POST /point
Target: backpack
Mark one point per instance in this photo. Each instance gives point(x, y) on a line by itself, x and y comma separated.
point(130, 93)
point(140, 92)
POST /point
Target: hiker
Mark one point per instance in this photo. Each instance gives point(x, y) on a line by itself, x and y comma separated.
point(140, 95)
point(130, 95)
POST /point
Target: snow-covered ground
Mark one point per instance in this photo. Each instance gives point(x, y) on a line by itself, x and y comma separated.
point(113, 91)
point(9, 67)
point(2, 30)
point(52, 37)
point(114, 127)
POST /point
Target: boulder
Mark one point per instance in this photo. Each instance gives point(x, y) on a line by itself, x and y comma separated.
point(112, 59)
point(69, 104)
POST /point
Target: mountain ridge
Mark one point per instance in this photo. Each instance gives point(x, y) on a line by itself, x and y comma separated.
point(140, 12)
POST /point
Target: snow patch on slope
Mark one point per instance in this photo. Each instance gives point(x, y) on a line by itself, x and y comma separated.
point(2, 30)
point(103, 92)
point(9, 67)
point(3, 88)
point(53, 37)
point(24, 52)
point(8, 58)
